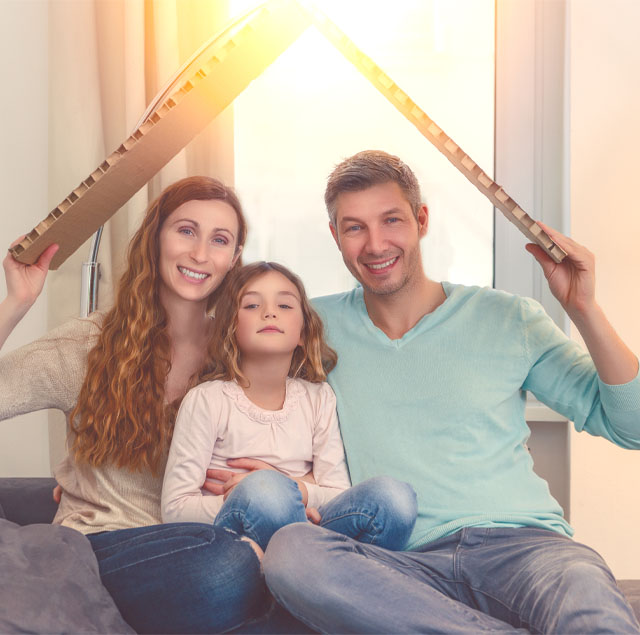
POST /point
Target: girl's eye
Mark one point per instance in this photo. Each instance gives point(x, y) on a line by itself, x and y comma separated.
point(250, 306)
point(285, 306)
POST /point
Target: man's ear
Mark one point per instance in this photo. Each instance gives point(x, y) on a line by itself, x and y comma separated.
point(334, 233)
point(236, 256)
point(423, 220)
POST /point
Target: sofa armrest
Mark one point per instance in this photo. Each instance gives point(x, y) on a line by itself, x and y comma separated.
point(27, 500)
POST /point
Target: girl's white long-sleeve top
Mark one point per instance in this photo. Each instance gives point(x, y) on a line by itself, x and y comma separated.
point(217, 422)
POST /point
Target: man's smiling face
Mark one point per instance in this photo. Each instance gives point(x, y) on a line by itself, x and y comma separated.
point(379, 237)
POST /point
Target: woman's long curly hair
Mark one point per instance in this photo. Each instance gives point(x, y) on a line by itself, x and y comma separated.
point(121, 416)
point(312, 361)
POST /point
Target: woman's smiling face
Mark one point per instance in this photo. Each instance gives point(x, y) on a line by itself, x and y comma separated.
point(197, 245)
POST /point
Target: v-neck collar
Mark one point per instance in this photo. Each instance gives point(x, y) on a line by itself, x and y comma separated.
point(426, 322)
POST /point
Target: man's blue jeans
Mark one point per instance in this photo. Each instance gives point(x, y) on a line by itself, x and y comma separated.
point(478, 579)
point(380, 511)
point(181, 578)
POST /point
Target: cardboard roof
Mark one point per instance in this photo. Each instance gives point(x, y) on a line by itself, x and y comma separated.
point(214, 77)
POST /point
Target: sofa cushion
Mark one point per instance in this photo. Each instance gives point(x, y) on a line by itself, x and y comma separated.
point(50, 583)
point(27, 500)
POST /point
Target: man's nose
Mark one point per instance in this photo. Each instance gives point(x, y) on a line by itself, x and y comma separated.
point(376, 241)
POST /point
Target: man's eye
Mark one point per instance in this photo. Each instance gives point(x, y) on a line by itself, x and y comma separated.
point(393, 219)
point(353, 228)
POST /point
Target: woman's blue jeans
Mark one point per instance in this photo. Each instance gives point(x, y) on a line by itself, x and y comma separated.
point(381, 511)
point(181, 578)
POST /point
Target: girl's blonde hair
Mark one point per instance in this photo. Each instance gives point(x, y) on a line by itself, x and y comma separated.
point(121, 416)
point(312, 361)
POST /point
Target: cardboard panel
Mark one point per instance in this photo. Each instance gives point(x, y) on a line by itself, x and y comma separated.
point(434, 134)
point(215, 77)
point(233, 60)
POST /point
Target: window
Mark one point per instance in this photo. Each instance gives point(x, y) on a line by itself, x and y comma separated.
point(312, 108)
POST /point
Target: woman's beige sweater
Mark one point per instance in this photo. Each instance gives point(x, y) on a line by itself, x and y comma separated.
point(48, 373)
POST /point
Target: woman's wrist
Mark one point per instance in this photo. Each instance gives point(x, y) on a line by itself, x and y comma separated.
point(11, 312)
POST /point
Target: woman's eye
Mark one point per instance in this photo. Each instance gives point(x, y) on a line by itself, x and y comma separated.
point(187, 231)
point(221, 240)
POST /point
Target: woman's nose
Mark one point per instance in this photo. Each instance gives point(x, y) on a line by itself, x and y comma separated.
point(199, 251)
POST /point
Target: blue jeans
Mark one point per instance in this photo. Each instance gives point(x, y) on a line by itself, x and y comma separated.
point(181, 578)
point(379, 511)
point(478, 579)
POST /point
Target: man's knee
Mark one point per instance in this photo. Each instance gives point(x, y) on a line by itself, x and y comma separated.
point(298, 549)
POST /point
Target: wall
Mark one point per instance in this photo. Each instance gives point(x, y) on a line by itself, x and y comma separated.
point(604, 138)
point(24, 441)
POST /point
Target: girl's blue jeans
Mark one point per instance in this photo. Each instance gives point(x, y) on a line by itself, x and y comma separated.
point(381, 511)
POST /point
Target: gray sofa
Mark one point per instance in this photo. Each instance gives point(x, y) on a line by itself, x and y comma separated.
point(28, 501)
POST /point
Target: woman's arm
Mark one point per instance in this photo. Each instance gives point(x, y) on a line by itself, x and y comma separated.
point(24, 285)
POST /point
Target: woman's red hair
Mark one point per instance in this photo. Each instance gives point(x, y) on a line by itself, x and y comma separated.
point(121, 416)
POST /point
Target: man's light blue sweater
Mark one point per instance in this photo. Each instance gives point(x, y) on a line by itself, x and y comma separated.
point(443, 408)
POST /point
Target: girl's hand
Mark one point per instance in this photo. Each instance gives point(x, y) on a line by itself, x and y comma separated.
point(573, 281)
point(25, 282)
point(57, 494)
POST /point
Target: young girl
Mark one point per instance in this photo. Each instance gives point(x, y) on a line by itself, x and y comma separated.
point(269, 409)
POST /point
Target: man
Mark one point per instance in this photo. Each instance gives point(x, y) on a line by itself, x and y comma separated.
point(431, 382)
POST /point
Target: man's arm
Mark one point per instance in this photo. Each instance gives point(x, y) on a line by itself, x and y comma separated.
point(572, 282)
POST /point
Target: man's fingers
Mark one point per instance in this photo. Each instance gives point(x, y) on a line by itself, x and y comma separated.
point(214, 488)
point(249, 464)
point(543, 259)
point(220, 475)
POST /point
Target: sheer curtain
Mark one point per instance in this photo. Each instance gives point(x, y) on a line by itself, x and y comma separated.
point(107, 60)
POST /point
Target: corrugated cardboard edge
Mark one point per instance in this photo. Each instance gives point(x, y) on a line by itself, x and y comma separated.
point(238, 56)
point(435, 135)
point(180, 117)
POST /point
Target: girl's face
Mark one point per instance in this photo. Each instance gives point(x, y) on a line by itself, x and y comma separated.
point(270, 318)
point(197, 249)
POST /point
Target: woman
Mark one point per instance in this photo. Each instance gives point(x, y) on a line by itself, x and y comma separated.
point(119, 377)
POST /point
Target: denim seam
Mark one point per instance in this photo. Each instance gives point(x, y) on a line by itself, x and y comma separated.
point(162, 555)
point(130, 540)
